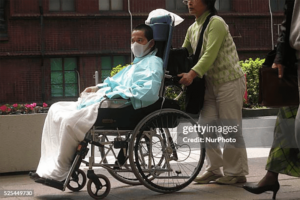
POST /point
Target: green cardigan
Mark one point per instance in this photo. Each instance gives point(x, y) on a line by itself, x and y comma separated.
point(218, 59)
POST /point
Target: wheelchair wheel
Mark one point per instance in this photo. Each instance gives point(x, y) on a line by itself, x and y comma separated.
point(77, 181)
point(99, 192)
point(122, 173)
point(165, 154)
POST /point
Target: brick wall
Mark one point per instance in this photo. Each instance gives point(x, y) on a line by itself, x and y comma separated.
point(250, 6)
point(20, 80)
point(88, 34)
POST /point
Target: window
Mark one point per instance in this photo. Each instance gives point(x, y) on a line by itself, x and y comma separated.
point(176, 5)
point(62, 5)
point(64, 77)
point(109, 62)
point(107, 5)
point(277, 5)
point(3, 25)
point(223, 5)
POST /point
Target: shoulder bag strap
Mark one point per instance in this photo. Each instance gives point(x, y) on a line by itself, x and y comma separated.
point(200, 42)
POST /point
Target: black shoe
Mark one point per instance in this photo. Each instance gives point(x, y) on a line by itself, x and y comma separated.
point(258, 190)
point(40, 180)
point(36, 177)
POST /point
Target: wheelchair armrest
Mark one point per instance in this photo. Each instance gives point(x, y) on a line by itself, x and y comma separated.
point(114, 103)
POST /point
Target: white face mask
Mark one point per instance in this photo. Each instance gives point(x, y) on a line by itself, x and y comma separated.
point(140, 50)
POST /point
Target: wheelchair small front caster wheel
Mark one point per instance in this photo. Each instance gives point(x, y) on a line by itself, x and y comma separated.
point(77, 181)
point(99, 191)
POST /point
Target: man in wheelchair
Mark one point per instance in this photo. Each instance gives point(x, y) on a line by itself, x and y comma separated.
point(68, 122)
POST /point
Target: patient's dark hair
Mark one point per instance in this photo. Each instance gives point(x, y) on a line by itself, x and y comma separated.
point(147, 30)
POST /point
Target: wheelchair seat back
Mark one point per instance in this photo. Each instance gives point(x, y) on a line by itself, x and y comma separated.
point(162, 27)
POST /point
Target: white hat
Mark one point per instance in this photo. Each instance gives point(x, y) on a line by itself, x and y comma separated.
point(161, 12)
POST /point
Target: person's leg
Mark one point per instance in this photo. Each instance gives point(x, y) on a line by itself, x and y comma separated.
point(214, 158)
point(260, 188)
point(269, 179)
point(61, 136)
point(283, 156)
point(230, 104)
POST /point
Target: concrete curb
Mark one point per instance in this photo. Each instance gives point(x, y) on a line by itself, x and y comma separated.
point(247, 112)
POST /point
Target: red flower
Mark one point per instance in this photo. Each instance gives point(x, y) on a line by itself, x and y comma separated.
point(3, 108)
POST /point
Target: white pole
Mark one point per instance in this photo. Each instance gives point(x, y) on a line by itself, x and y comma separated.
point(272, 35)
point(96, 77)
point(131, 57)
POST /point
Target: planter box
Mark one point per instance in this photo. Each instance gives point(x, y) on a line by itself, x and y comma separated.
point(20, 143)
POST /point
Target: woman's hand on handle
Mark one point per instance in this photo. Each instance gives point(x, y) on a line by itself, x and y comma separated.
point(187, 78)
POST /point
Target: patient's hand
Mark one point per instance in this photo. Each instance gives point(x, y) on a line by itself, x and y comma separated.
point(91, 89)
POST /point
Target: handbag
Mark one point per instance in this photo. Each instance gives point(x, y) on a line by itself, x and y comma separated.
point(180, 62)
point(274, 91)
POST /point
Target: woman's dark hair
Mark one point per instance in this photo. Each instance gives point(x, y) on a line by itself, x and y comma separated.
point(211, 6)
point(147, 30)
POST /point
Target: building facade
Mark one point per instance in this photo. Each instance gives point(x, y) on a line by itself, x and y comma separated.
point(50, 49)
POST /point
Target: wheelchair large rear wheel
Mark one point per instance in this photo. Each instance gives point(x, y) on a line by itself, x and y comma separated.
point(166, 150)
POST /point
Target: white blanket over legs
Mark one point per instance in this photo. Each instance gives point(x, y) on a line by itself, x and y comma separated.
point(65, 126)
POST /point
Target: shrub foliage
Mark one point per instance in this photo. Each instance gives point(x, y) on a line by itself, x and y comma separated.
point(251, 69)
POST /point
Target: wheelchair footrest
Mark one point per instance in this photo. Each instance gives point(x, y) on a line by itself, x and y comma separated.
point(53, 183)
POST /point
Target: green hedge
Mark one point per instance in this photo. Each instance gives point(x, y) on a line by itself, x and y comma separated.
point(251, 69)
point(116, 69)
point(172, 92)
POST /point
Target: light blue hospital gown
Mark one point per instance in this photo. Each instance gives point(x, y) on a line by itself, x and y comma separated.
point(139, 82)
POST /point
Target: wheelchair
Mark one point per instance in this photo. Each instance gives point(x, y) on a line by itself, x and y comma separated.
point(147, 146)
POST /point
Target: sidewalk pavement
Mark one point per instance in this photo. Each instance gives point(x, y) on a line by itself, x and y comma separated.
point(289, 190)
